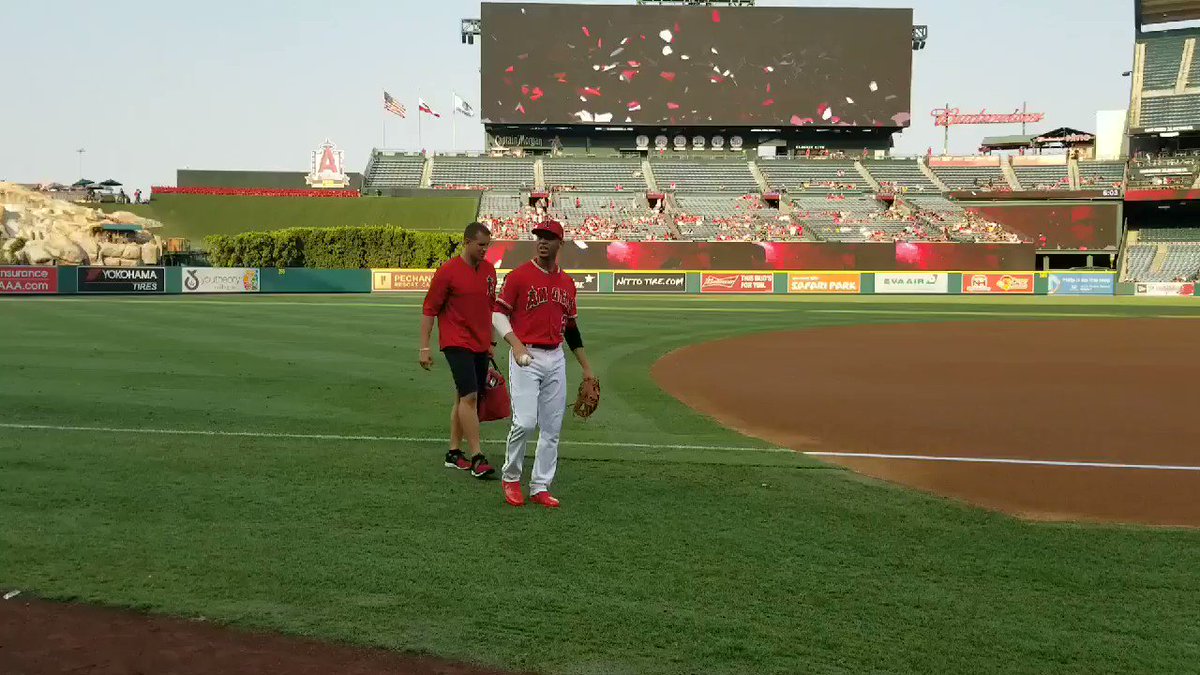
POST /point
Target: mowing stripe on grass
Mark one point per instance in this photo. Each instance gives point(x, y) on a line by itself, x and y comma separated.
point(969, 312)
point(1003, 460)
point(338, 437)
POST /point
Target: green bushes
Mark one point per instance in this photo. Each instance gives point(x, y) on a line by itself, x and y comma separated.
point(333, 248)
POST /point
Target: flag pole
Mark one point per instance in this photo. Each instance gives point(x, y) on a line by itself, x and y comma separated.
point(454, 123)
point(419, 111)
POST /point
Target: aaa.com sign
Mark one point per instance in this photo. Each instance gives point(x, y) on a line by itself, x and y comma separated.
point(737, 283)
point(28, 280)
point(1021, 284)
point(388, 281)
point(845, 283)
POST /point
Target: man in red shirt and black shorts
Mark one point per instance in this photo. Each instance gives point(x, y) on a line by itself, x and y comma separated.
point(535, 313)
point(461, 296)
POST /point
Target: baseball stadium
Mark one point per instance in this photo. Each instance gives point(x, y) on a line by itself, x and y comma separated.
point(839, 410)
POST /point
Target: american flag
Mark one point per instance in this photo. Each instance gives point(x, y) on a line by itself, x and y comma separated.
point(393, 106)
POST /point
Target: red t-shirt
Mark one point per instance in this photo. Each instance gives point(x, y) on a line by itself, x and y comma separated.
point(461, 297)
point(539, 304)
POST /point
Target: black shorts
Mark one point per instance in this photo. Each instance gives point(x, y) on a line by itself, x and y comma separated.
point(469, 370)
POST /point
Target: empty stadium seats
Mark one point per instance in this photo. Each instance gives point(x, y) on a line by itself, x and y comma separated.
point(1164, 56)
point(1139, 258)
point(690, 176)
point(451, 172)
point(1043, 177)
point(390, 169)
point(967, 177)
point(900, 173)
point(1171, 111)
point(1170, 234)
point(1101, 174)
point(593, 175)
point(816, 175)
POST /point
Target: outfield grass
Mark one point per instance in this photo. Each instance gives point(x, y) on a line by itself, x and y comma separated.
point(197, 216)
point(732, 559)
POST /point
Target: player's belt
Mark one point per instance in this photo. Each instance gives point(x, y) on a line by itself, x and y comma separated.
point(548, 348)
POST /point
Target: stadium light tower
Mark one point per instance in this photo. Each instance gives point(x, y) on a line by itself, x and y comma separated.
point(471, 29)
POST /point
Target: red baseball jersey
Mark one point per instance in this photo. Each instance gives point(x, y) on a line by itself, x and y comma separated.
point(461, 297)
point(539, 304)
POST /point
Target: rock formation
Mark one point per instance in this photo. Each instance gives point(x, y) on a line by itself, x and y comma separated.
point(37, 229)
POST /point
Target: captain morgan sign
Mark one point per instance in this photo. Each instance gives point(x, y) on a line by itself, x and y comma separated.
point(327, 170)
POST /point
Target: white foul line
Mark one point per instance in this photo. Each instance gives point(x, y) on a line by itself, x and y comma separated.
point(1002, 460)
point(389, 439)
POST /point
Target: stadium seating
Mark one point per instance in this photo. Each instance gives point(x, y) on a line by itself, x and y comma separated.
point(690, 176)
point(1164, 55)
point(594, 175)
point(1101, 174)
point(1182, 263)
point(450, 172)
point(1183, 172)
point(903, 174)
point(1170, 234)
point(722, 217)
point(1043, 177)
point(967, 177)
point(811, 175)
point(389, 170)
point(1139, 258)
point(1171, 111)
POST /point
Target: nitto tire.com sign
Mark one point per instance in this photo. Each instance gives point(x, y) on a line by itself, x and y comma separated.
point(220, 280)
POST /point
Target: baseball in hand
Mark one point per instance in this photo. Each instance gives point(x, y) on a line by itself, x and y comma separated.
point(524, 359)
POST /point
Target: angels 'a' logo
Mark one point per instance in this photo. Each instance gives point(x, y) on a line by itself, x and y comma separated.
point(327, 169)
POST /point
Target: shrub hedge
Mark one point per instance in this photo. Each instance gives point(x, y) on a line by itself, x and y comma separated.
point(333, 248)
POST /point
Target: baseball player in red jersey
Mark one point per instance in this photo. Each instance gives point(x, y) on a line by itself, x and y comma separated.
point(535, 312)
point(461, 297)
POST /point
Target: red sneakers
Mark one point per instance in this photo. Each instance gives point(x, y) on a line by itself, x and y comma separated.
point(455, 459)
point(480, 468)
point(545, 499)
point(512, 493)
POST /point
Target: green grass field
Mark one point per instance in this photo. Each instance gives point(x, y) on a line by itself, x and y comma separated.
point(251, 504)
point(197, 216)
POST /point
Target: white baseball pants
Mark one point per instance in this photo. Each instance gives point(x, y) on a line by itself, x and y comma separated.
point(539, 399)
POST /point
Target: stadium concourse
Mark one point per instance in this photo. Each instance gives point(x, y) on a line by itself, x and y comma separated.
point(836, 198)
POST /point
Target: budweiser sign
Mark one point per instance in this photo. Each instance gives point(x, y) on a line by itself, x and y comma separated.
point(950, 117)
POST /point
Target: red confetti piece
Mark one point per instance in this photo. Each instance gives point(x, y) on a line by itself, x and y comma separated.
point(634, 106)
point(589, 91)
point(836, 119)
point(600, 43)
point(522, 57)
point(768, 102)
point(525, 89)
point(716, 16)
point(561, 77)
point(669, 77)
point(634, 64)
point(768, 87)
point(521, 108)
point(537, 93)
point(716, 79)
point(509, 69)
point(643, 38)
point(628, 75)
point(672, 106)
point(587, 32)
point(676, 26)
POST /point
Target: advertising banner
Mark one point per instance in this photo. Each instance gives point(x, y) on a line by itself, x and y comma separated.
point(393, 281)
point(912, 282)
point(122, 280)
point(586, 282)
point(737, 283)
point(1068, 283)
point(1166, 289)
point(848, 283)
point(220, 280)
point(662, 282)
point(997, 283)
point(28, 280)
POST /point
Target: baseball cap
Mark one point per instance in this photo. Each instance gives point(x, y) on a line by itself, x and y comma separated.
point(550, 227)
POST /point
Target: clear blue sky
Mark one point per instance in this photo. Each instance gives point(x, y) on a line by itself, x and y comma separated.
point(148, 87)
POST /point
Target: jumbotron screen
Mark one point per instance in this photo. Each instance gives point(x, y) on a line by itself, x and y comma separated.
point(693, 65)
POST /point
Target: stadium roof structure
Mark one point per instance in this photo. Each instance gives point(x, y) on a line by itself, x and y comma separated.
point(1154, 12)
point(1063, 137)
point(1007, 142)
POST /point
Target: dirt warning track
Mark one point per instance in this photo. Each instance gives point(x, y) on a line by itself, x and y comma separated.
point(1122, 392)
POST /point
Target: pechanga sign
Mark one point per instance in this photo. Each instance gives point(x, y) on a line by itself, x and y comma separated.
point(399, 280)
point(220, 280)
point(122, 280)
point(328, 168)
point(28, 280)
point(950, 117)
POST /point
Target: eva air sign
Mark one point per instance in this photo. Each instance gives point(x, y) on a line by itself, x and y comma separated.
point(912, 282)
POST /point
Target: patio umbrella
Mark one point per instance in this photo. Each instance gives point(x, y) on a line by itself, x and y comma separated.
point(82, 182)
point(110, 183)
